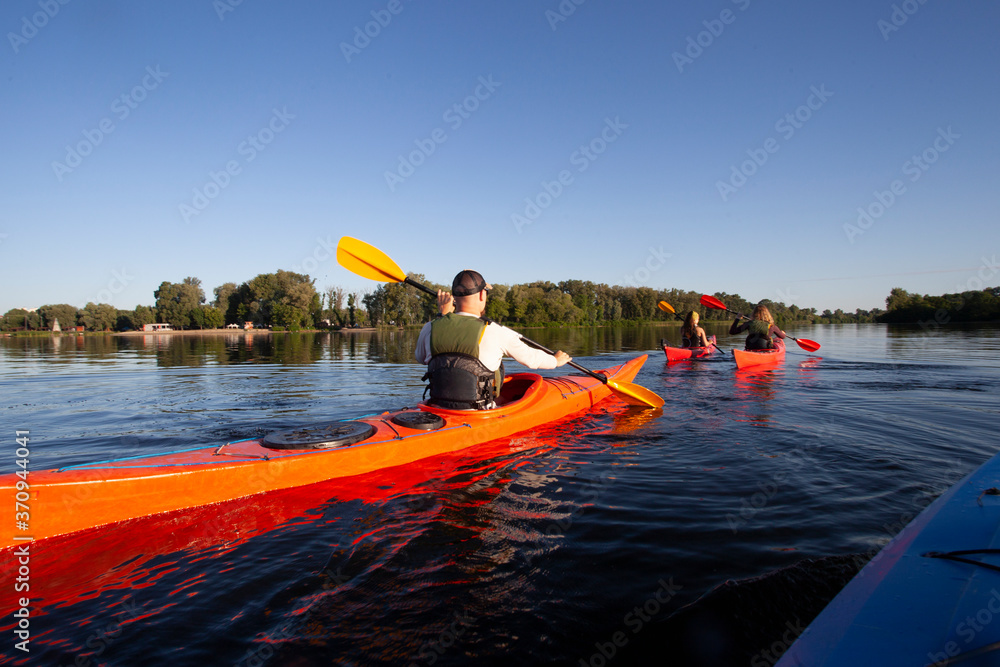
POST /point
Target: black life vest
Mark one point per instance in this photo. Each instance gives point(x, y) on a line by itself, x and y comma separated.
point(458, 379)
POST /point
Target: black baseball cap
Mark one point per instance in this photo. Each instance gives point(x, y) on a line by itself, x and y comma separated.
point(469, 282)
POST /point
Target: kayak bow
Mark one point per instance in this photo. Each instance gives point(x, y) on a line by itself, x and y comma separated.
point(78, 497)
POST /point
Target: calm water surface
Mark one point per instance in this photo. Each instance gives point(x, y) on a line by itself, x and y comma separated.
point(573, 542)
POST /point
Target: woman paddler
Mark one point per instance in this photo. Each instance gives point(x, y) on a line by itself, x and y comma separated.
point(760, 328)
point(693, 335)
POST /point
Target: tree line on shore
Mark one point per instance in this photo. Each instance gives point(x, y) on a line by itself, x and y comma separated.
point(969, 306)
point(289, 301)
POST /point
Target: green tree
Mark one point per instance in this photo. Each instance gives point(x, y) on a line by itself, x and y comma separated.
point(559, 307)
point(646, 299)
point(63, 312)
point(351, 308)
point(99, 316)
point(585, 297)
point(496, 304)
point(898, 299)
point(334, 297)
point(398, 304)
point(176, 301)
point(207, 317)
point(16, 319)
point(123, 320)
point(222, 294)
point(286, 317)
point(516, 303)
point(256, 299)
point(141, 316)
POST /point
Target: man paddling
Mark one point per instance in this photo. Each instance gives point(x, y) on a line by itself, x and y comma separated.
point(464, 351)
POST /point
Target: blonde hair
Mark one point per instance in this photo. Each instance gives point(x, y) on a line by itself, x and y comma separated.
point(762, 313)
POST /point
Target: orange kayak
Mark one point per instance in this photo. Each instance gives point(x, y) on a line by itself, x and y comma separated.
point(78, 497)
point(682, 353)
point(747, 358)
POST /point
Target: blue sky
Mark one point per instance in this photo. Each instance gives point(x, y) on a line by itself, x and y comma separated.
point(713, 146)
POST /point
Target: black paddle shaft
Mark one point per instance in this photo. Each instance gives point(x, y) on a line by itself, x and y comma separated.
point(539, 346)
point(420, 286)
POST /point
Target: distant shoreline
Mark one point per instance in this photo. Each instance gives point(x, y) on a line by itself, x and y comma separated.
point(217, 332)
point(187, 332)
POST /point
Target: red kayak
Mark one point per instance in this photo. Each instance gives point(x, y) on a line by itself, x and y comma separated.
point(750, 358)
point(77, 497)
point(682, 353)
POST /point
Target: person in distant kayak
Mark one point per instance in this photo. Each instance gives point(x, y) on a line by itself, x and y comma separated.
point(693, 335)
point(761, 330)
point(464, 351)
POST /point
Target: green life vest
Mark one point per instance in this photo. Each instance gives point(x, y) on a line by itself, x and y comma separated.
point(758, 335)
point(458, 379)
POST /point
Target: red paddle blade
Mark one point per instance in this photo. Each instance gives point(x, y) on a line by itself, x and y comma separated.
point(712, 302)
point(807, 344)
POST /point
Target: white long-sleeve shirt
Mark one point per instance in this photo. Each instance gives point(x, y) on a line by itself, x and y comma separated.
point(497, 342)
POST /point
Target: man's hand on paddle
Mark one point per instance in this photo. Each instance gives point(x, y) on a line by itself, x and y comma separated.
point(446, 304)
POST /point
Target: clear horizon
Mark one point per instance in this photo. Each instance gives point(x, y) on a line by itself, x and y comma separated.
point(813, 155)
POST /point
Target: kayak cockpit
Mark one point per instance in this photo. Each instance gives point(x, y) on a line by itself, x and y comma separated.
point(515, 387)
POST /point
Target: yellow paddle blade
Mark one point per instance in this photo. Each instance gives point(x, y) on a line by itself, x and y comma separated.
point(367, 261)
point(633, 394)
point(666, 307)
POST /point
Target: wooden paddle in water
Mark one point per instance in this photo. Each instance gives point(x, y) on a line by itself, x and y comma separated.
point(712, 302)
point(369, 262)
